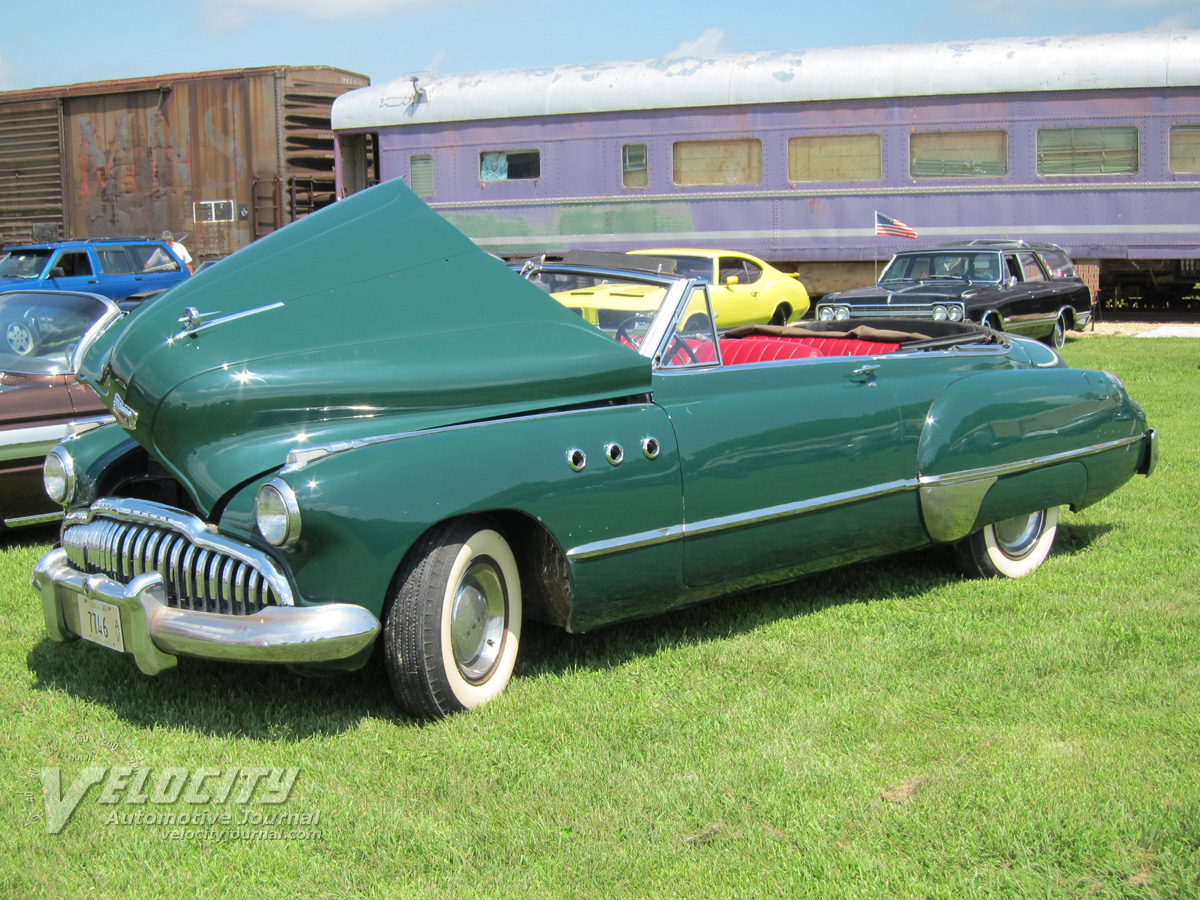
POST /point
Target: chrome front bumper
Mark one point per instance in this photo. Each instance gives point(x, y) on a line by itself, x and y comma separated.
point(156, 634)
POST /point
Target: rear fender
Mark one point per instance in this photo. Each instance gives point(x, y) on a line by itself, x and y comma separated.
point(1004, 443)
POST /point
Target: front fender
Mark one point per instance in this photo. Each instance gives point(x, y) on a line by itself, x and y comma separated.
point(362, 507)
point(1005, 443)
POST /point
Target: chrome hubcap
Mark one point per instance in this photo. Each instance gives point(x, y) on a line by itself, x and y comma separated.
point(1017, 536)
point(477, 620)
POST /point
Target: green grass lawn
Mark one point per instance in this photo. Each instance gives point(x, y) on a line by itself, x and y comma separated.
point(889, 730)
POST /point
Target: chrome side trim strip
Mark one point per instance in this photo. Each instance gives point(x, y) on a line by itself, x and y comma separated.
point(626, 542)
point(737, 520)
point(299, 457)
point(1024, 465)
point(43, 519)
point(20, 443)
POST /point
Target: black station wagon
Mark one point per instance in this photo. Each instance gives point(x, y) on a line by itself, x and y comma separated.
point(1027, 289)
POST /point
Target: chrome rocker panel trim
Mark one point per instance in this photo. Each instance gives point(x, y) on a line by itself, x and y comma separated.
point(156, 635)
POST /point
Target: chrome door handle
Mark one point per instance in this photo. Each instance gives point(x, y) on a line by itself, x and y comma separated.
point(864, 374)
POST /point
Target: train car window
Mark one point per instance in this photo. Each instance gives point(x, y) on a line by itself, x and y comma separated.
point(835, 157)
point(635, 173)
point(958, 154)
point(1185, 150)
point(1103, 150)
point(420, 174)
point(509, 165)
point(717, 162)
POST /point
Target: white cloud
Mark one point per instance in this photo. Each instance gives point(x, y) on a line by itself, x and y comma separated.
point(1181, 22)
point(711, 43)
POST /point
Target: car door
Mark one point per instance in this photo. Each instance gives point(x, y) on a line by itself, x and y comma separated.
point(156, 266)
point(1030, 306)
point(72, 270)
point(736, 298)
point(787, 463)
point(121, 278)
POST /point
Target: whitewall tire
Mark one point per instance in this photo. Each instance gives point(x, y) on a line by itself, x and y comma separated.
point(1012, 548)
point(453, 629)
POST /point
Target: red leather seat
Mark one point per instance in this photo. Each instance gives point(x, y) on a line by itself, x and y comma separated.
point(768, 348)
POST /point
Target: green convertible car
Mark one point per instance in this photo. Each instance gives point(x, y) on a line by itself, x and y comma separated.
point(424, 449)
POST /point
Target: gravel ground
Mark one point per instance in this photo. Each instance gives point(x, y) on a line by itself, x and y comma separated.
point(1124, 328)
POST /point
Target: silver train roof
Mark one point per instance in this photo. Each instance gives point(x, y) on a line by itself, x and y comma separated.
point(1080, 62)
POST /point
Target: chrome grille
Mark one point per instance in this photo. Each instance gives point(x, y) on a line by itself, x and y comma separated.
point(195, 577)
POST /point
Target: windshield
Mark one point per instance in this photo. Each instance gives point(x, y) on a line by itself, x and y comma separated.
point(951, 266)
point(24, 263)
point(41, 329)
point(639, 313)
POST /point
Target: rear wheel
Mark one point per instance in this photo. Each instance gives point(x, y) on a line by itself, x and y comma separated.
point(1009, 549)
point(454, 624)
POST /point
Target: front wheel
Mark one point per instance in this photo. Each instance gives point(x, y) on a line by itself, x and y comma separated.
point(1009, 549)
point(451, 633)
point(1058, 336)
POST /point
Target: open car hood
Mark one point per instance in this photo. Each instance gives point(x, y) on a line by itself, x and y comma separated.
point(372, 316)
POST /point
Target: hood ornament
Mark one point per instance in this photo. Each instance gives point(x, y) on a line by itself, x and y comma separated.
point(194, 321)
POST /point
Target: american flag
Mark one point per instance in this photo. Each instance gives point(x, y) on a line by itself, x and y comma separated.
point(888, 225)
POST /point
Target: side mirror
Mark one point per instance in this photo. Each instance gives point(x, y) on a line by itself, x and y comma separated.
point(1010, 281)
point(732, 279)
point(57, 272)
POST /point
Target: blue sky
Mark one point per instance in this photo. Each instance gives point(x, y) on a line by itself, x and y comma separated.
point(72, 42)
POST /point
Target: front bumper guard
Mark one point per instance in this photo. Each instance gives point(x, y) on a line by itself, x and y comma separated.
point(156, 634)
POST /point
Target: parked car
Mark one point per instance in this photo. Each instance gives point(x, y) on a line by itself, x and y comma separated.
point(744, 290)
point(456, 452)
point(40, 400)
point(114, 268)
point(1006, 285)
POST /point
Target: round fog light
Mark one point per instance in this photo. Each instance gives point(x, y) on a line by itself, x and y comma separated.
point(58, 476)
point(277, 513)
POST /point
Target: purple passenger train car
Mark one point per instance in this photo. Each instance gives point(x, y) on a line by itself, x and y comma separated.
point(1089, 142)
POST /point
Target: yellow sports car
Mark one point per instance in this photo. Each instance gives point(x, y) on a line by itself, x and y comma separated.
point(744, 290)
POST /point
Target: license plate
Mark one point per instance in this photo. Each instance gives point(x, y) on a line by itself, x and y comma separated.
point(100, 623)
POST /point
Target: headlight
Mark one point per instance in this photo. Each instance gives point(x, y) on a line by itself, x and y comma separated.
point(940, 314)
point(956, 314)
point(277, 513)
point(825, 314)
point(842, 313)
point(58, 475)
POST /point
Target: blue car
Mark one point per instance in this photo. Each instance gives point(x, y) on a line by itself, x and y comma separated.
point(112, 267)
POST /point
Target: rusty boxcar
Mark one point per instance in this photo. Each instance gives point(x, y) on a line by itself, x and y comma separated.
point(223, 156)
